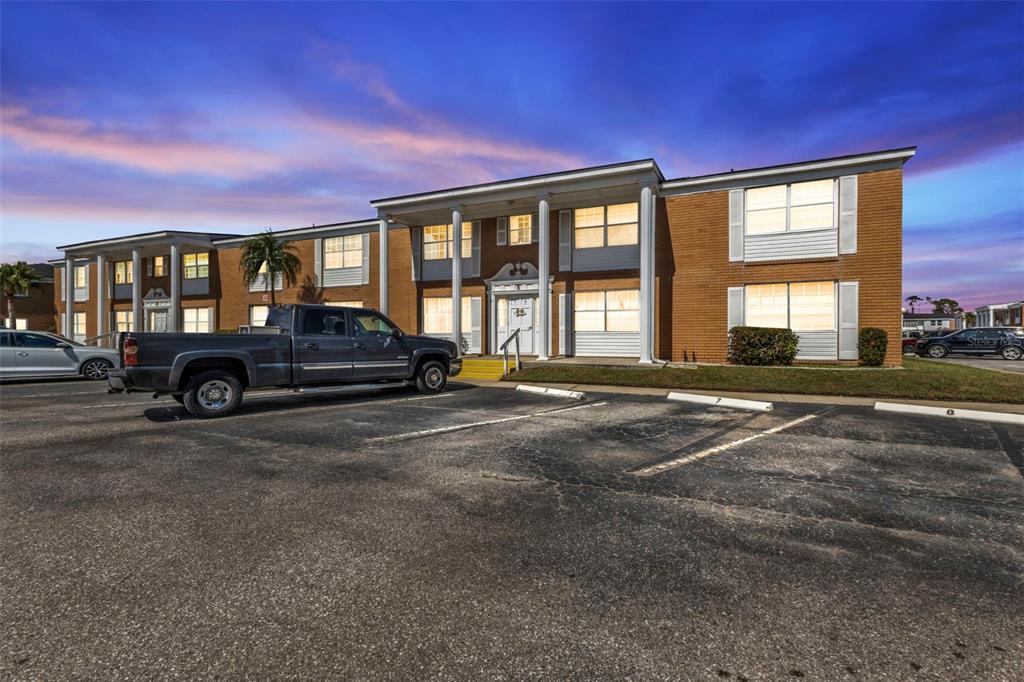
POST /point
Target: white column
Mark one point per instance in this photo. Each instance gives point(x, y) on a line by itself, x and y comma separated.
point(457, 275)
point(138, 324)
point(69, 298)
point(543, 268)
point(646, 275)
point(383, 277)
point(102, 314)
point(174, 314)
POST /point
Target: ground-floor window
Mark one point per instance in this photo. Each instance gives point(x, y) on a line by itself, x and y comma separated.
point(437, 314)
point(345, 304)
point(800, 306)
point(80, 322)
point(258, 315)
point(123, 320)
point(17, 323)
point(197, 320)
point(607, 311)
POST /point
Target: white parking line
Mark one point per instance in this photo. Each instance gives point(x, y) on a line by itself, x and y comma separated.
point(671, 464)
point(486, 422)
point(55, 394)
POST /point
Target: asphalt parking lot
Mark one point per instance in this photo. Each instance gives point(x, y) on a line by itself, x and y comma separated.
point(490, 534)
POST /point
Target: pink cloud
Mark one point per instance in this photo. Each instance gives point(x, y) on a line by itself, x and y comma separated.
point(83, 139)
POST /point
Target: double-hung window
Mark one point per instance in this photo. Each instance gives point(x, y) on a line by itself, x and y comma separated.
point(160, 266)
point(343, 252)
point(81, 276)
point(79, 325)
point(123, 272)
point(520, 229)
point(600, 226)
point(790, 208)
point(437, 314)
point(258, 315)
point(437, 241)
point(607, 311)
point(800, 306)
point(196, 320)
point(196, 265)
point(123, 321)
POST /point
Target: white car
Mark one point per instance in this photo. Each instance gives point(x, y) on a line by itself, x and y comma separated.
point(26, 355)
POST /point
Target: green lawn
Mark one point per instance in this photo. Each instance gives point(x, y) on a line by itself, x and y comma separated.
point(919, 379)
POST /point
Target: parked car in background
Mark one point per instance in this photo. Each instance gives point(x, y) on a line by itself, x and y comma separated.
point(1007, 342)
point(25, 355)
point(304, 347)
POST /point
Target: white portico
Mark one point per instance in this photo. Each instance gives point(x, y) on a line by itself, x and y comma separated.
point(604, 223)
point(153, 271)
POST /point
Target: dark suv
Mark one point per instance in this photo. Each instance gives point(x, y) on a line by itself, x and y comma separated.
point(1007, 342)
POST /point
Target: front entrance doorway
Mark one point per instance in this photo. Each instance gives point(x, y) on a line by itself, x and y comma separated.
point(517, 313)
point(157, 321)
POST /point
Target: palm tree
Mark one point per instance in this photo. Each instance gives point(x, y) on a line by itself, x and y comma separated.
point(266, 255)
point(14, 279)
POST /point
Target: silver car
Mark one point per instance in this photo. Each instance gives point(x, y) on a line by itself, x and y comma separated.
point(26, 354)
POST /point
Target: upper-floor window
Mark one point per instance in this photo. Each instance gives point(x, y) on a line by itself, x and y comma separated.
point(160, 266)
point(197, 265)
point(123, 272)
point(799, 206)
point(437, 241)
point(81, 276)
point(600, 226)
point(520, 229)
point(343, 252)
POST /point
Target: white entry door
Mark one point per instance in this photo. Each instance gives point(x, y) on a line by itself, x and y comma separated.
point(157, 321)
point(520, 316)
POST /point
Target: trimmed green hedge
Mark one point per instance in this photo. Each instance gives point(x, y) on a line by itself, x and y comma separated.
point(871, 345)
point(761, 346)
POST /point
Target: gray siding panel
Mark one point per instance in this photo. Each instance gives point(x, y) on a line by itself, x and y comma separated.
point(192, 287)
point(606, 258)
point(610, 344)
point(800, 244)
point(817, 345)
point(120, 291)
point(342, 277)
point(436, 269)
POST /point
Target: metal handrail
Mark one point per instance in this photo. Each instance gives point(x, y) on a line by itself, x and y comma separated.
point(504, 348)
point(88, 341)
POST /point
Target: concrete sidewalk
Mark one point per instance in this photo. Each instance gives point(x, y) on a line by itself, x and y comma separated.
point(771, 397)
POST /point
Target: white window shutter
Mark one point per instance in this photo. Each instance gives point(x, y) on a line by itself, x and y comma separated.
point(565, 240)
point(318, 261)
point(735, 313)
point(475, 253)
point(848, 319)
point(417, 243)
point(736, 224)
point(474, 329)
point(366, 258)
point(848, 214)
point(503, 231)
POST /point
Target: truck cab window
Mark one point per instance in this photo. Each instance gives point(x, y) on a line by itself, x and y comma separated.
point(321, 322)
point(370, 324)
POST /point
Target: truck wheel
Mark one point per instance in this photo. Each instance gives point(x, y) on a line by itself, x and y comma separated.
point(431, 377)
point(212, 394)
point(1011, 353)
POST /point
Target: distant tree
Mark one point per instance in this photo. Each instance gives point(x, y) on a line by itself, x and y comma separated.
point(945, 306)
point(912, 301)
point(16, 278)
point(970, 319)
point(309, 292)
point(264, 254)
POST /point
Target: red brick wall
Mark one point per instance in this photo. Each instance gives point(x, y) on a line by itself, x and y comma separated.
point(698, 240)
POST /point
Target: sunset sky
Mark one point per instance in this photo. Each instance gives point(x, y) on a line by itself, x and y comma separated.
point(121, 118)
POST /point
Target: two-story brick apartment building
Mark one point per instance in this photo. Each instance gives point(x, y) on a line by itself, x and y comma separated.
point(605, 261)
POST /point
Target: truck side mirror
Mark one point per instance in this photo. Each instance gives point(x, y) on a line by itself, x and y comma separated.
point(396, 333)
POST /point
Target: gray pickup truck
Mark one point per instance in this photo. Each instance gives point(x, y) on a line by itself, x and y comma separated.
point(304, 347)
